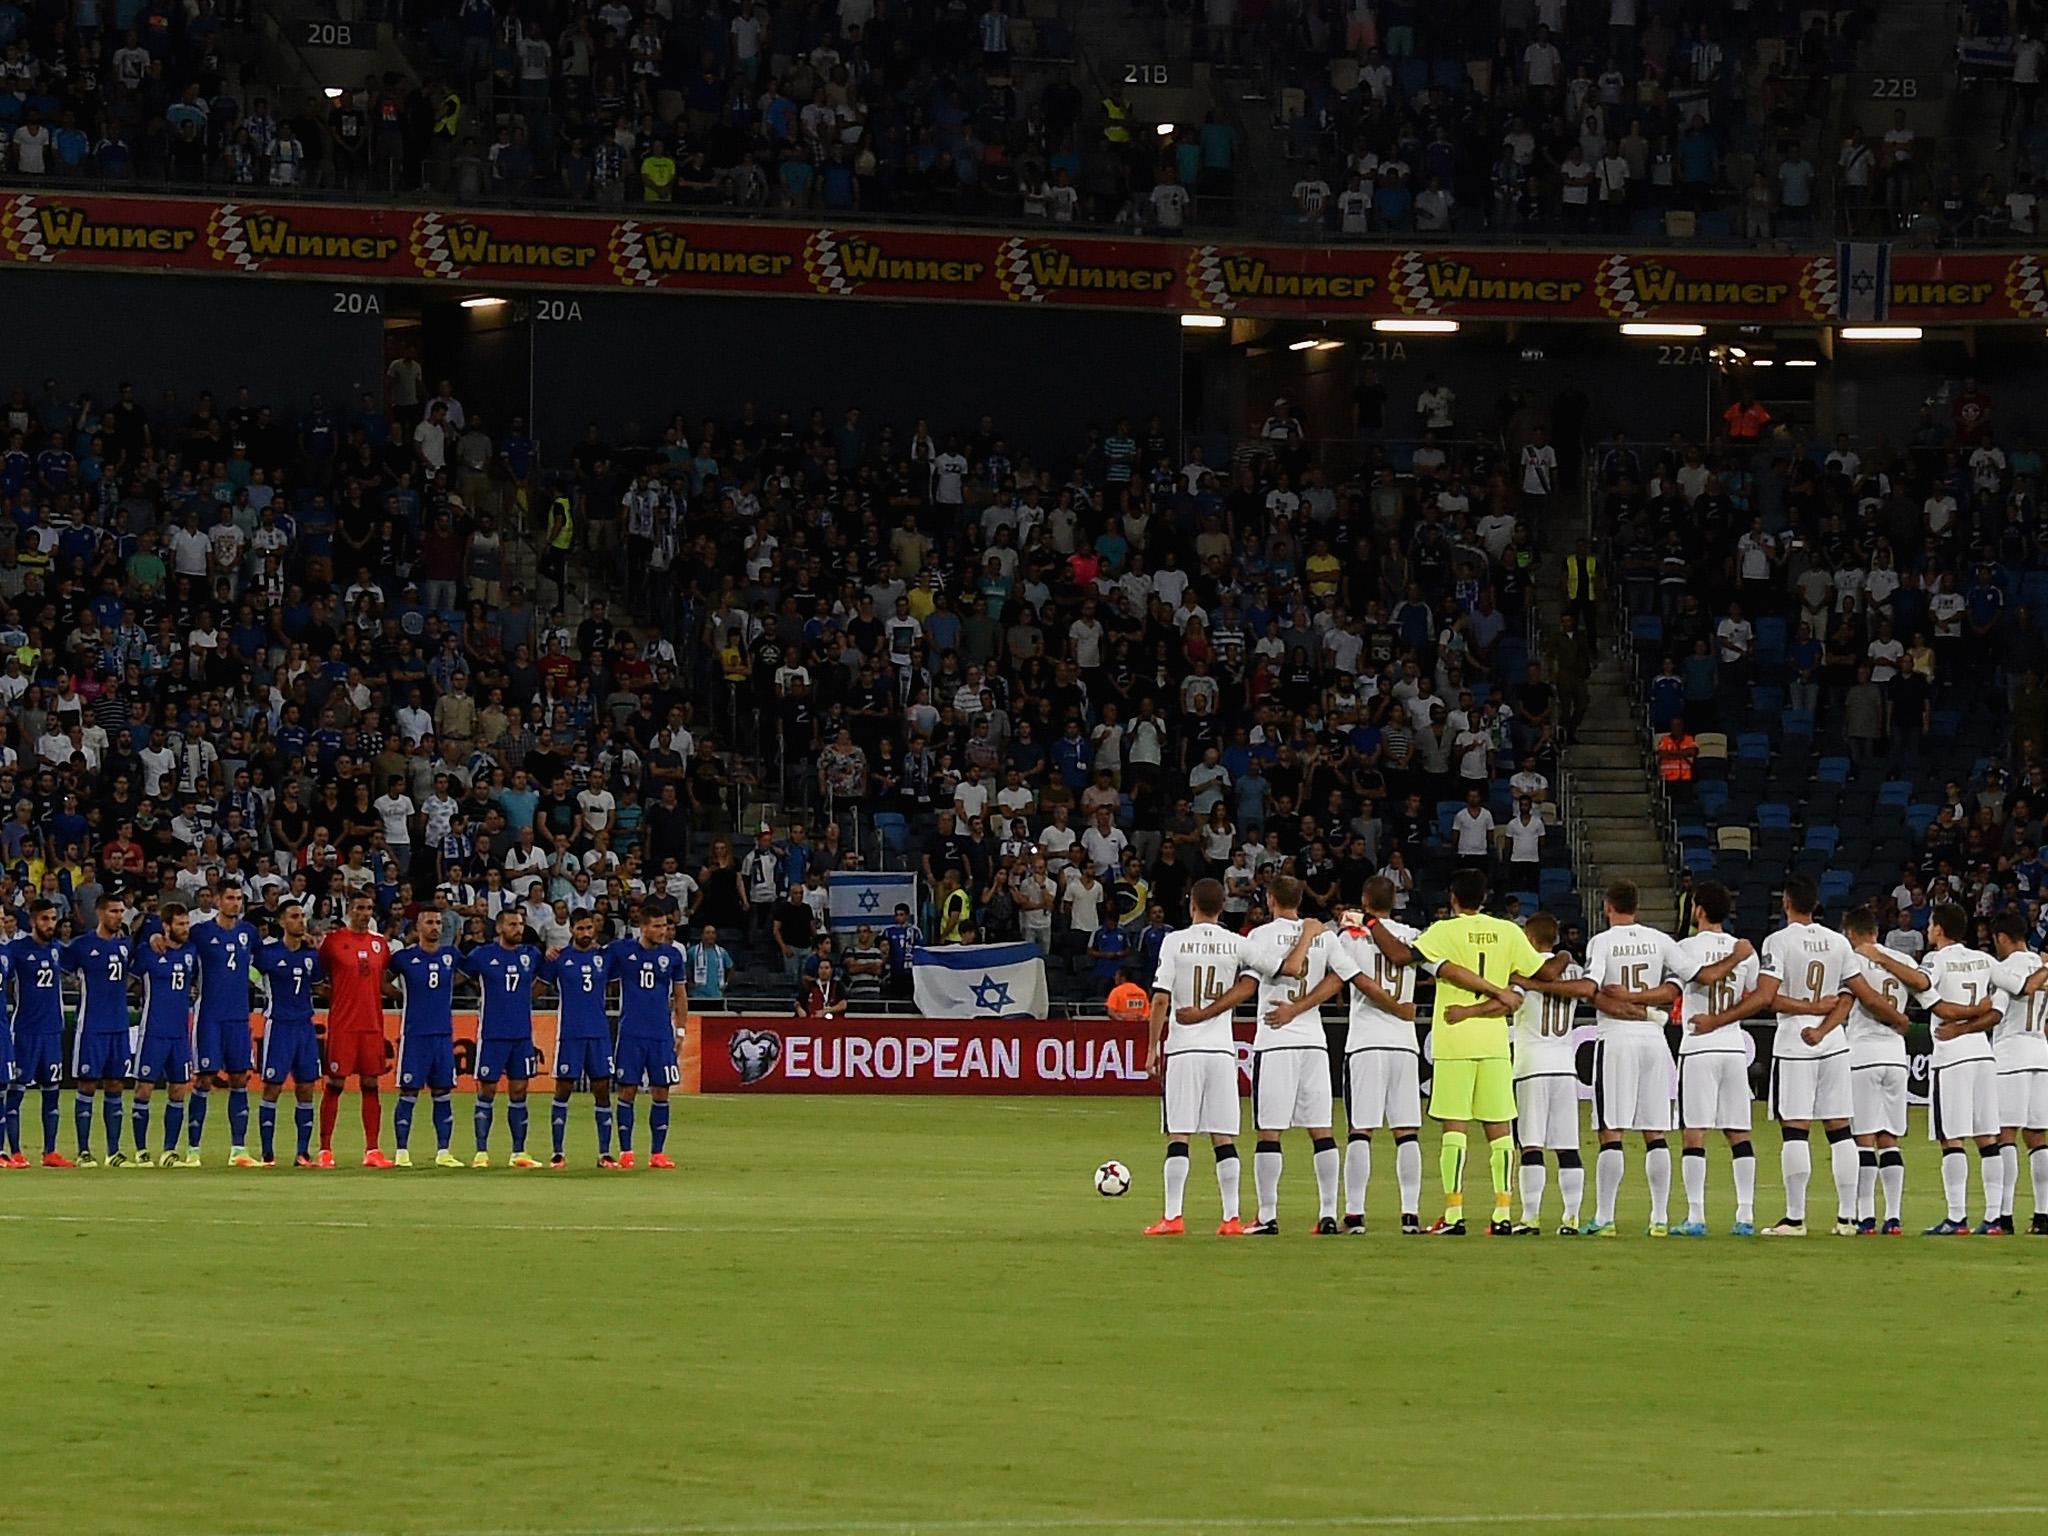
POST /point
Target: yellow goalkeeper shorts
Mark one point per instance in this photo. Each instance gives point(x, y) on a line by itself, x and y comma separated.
point(1474, 1090)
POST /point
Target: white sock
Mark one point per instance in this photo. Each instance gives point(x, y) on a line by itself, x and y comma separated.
point(1327, 1164)
point(1795, 1159)
point(1842, 1154)
point(1955, 1182)
point(1657, 1168)
point(1229, 1173)
point(1745, 1185)
point(1176, 1181)
point(1532, 1190)
point(2008, 1174)
point(1606, 1183)
point(1357, 1174)
point(1692, 1168)
point(1266, 1180)
point(1571, 1183)
point(1991, 1174)
point(1866, 1185)
point(2037, 1165)
point(1892, 1175)
point(1408, 1174)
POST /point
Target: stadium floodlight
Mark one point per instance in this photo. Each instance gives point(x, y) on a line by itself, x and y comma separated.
point(1164, 130)
point(1880, 333)
point(1416, 327)
point(1328, 344)
point(1302, 345)
point(483, 301)
point(1763, 362)
point(1802, 362)
point(334, 93)
point(1664, 328)
point(1203, 322)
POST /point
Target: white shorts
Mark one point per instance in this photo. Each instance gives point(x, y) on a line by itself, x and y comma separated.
point(1806, 1089)
point(1383, 1087)
point(1963, 1102)
point(1878, 1095)
point(1631, 1084)
point(1713, 1091)
point(1201, 1094)
point(2023, 1099)
point(1291, 1087)
point(1547, 1112)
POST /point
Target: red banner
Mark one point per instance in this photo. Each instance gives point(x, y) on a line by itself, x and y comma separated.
point(639, 249)
point(739, 1053)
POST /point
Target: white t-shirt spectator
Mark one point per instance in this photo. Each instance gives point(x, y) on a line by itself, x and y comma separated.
point(396, 812)
point(32, 149)
point(598, 807)
point(1311, 195)
point(1083, 901)
point(1105, 849)
point(1525, 839)
point(1434, 406)
point(1884, 659)
point(1169, 205)
point(1737, 638)
point(1539, 469)
point(1470, 831)
point(1539, 63)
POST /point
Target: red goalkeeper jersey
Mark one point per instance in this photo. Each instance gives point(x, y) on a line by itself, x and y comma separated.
point(354, 964)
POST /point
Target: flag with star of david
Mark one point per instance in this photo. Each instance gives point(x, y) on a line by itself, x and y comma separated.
point(869, 896)
point(979, 981)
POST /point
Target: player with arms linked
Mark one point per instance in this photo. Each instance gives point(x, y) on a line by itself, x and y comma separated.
point(226, 948)
point(100, 1056)
point(289, 967)
point(354, 959)
point(423, 976)
point(170, 973)
point(583, 1035)
point(654, 1010)
point(506, 970)
point(35, 964)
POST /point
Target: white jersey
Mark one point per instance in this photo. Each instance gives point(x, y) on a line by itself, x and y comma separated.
point(1809, 961)
point(1703, 950)
point(2020, 1037)
point(1957, 974)
point(1542, 1033)
point(1265, 947)
point(1372, 1027)
point(1197, 965)
point(1872, 1042)
point(1636, 958)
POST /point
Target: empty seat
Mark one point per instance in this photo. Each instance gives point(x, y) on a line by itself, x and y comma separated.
point(1774, 815)
point(1734, 839)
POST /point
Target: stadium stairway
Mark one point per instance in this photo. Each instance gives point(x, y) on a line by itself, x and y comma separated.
point(1608, 793)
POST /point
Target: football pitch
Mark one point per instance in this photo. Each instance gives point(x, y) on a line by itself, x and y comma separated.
point(915, 1315)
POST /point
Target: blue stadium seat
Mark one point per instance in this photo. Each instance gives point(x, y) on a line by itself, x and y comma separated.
point(1646, 629)
point(1700, 860)
point(1897, 792)
point(1555, 883)
point(1693, 832)
point(1832, 769)
point(1774, 815)
point(1835, 885)
point(1713, 798)
point(1753, 747)
point(1770, 639)
point(1825, 839)
point(893, 831)
point(1920, 816)
point(1796, 722)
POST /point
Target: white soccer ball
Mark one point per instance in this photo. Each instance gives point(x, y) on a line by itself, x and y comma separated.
point(1112, 1179)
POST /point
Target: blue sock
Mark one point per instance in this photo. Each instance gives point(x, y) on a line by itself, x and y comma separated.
point(625, 1125)
point(558, 1122)
point(139, 1118)
point(516, 1116)
point(201, 1101)
point(444, 1120)
point(174, 1126)
point(302, 1115)
point(266, 1127)
point(15, 1095)
point(401, 1121)
point(81, 1121)
point(483, 1123)
point(51, 1115)
point(110, 1115)
point(604, 1130)
point(657, 1125)
point(238, 1118)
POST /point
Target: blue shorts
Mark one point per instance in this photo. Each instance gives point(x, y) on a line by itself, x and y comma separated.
point(426, 1061)
point(583, 1058)
point(649, 1060)
point(223, 1046)
point(9, 1068)
point(101, 1058)
point(163, 1059)
point(291, 1051)
point(39, 1060)
point(516, 1059)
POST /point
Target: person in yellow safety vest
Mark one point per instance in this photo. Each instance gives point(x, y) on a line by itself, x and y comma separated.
point(1116, 130)
point(658, 175)
point(1582, 589)
point(561, 536)
point(448, 117)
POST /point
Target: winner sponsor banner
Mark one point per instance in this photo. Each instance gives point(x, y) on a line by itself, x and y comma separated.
point(642, 249)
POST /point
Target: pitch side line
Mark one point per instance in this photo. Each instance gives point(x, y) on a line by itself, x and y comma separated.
point(337, 1224)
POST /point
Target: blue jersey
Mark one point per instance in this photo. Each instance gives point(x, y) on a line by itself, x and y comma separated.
point(6, 975)
point(104, 964)
point(426, 990)
point(647, 980)
point(225, 951)
point(167, 987)
point(580, 977)
point(506, 977)
point(38, 989)
point(288, 976)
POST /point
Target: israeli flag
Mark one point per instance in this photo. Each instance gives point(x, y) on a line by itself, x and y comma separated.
point(860, 896)
point(979, 981)
point(1866, 277)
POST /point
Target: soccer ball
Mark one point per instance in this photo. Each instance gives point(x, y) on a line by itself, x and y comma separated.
point(1112, 1179)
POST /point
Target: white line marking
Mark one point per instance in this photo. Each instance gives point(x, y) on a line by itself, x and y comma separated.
point(286, 1220)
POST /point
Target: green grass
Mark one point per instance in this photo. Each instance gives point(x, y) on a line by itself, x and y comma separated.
point(915, 1315)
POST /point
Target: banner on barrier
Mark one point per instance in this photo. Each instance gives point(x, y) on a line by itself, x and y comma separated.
point(642, 251)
